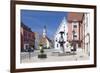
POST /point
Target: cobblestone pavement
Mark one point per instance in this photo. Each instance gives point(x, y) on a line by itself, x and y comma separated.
point(52, 56)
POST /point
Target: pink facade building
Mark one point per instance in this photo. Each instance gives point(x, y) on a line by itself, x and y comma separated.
point(75, 29)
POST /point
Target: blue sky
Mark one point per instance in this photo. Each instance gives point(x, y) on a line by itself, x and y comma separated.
point(36, 20)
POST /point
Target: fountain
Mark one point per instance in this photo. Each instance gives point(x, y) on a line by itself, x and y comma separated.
point(42, 54)
point(61, 42)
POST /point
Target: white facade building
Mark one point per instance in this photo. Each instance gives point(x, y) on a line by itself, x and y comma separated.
point(62, 27)
point(87, 33)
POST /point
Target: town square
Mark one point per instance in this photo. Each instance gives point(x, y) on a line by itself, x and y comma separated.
point(50, 36)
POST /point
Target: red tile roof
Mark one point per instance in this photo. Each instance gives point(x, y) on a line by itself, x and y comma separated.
point(74, 16)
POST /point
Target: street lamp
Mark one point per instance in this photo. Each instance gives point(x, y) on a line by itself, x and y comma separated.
point(29, 50)
point(74, 43)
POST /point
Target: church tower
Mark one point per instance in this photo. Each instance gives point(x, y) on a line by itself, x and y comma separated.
point(44, 40)
point(44, 31)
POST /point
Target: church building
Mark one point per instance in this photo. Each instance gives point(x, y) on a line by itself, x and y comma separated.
point(44, 40)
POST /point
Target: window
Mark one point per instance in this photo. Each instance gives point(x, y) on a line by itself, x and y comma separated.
point(25, 34)
point(75, 35)
point(29, 35)
point(56, 39)
point(57, 45)
point(75, 26)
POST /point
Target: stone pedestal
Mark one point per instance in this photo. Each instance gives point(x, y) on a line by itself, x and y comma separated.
point(62, 54)
point(42, 56)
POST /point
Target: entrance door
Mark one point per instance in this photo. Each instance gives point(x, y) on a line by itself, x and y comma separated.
point(26, 46)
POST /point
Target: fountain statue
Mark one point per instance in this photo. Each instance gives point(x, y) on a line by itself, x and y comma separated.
point(61, 42)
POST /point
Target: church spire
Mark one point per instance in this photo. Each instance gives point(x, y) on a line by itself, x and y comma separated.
point(44, 31)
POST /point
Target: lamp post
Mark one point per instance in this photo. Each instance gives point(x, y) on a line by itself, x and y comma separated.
point(74, 46)
point(74, 43)
point(29, 50)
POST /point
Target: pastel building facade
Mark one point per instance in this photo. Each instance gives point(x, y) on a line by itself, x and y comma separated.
point(86, 37)
point(75, 29)
point(78, 30)
point(62, 27)
point(27, 38)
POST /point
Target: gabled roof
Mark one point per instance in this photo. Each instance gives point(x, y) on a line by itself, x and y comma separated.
point(63, 21)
